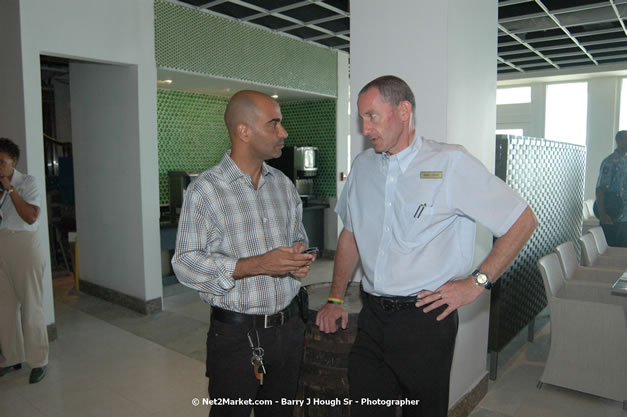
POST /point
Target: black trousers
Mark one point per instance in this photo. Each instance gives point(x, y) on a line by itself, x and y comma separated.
point(616, 234)
point(231, 374)
point(407, 353)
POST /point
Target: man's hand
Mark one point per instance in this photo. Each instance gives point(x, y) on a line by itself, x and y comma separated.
point(278, 262)
point(606, 219)
point(326, 319)
point(454, 294)
point(284, 260)
point(6, 182)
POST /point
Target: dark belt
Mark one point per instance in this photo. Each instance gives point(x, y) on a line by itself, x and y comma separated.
point(262, 321)
point(390, 304)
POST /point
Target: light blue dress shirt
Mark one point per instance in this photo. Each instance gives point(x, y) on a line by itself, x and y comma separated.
point(413, 214)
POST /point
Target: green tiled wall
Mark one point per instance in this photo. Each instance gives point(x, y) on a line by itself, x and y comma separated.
point(196, 41)
point(192, 135)
point(312, 123)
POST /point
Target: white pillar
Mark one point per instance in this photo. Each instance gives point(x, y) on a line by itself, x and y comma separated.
point(446, 51)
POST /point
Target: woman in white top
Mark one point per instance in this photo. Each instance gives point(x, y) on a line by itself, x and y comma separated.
point(23, 334)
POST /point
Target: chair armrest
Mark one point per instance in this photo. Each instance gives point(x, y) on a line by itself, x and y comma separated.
point(616, 252)
point(586, 291)
point(611, 262)
point(590, 317)
point(595, 274)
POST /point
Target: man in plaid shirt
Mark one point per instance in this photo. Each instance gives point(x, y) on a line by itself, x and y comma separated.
point(239, 244)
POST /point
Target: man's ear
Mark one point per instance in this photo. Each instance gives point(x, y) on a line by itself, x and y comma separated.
point(243, 132)
point(404, 108)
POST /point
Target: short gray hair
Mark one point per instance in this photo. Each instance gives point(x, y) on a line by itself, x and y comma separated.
point(393, 90)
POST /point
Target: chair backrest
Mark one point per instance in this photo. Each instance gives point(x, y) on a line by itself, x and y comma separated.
point(599, 239)
point(568, 258)
point(589, 249)
point(552, 275)
point(587, 208)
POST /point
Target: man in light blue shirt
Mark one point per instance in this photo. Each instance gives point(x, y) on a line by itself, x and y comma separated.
point(409, 210)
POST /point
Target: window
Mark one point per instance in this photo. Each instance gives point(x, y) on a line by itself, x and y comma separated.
point(513, 95)
point(513, 132)
point(566, 112)
point(622, 121)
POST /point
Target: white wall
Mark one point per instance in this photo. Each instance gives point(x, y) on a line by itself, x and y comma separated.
point(106, 161)
point(453, 77)
point(115, 31)
point(603, 114)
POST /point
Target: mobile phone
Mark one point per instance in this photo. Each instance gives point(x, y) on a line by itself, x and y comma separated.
point(311, 250)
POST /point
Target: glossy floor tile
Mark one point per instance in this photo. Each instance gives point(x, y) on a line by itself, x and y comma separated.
point(110, 361)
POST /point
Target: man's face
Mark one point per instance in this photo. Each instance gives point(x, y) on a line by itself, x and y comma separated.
point(381, 122)
point(7, 164)
point(268, 132)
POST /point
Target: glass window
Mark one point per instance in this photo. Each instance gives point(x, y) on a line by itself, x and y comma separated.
point(622, 121)
point(513, 95)
point(566, 112)
point(514, 132)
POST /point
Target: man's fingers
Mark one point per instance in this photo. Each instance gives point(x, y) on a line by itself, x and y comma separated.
point(445, 313)
point(344, 320)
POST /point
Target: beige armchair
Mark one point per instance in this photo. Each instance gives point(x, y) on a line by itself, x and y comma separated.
point(574, 272)
point(589, 219)
point(584, 281)
point(588, 339)
point(591, 257)
point(603, 248)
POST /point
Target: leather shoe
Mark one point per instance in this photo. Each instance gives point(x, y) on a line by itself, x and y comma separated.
point(37, 374)
point(5, 370)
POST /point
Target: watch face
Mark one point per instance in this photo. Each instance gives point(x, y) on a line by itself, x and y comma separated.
point(481, 279)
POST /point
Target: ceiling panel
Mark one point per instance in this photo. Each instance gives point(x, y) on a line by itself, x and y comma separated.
point(532, 34)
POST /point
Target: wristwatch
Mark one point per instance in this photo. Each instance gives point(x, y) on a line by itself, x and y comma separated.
point(11, 190)
point(481, 278)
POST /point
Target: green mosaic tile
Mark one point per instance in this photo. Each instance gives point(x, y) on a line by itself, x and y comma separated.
point(312, 123)
point(196, 41)
point(192, 135)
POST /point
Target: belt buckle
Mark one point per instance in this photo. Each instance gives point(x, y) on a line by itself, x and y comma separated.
point(281, 314)
point(387, 304)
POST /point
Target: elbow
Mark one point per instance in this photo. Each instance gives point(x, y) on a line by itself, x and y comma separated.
point(32, 216)
point(532, 221)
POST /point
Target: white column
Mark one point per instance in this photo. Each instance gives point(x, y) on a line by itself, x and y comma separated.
point(446, 51)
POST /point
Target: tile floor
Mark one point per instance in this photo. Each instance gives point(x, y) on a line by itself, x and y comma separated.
point(109, 361)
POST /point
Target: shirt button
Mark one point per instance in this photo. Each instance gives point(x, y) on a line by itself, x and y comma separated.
point(387, 229)
point(390, 203)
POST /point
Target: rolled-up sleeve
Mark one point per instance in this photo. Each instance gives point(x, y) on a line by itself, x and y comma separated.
point(194, 263)
point(298, 232)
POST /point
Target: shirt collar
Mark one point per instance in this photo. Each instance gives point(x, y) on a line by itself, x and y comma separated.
point(233, 172)
point(17, 177)
point(407, 155)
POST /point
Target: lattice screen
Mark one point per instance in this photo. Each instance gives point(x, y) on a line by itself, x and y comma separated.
point(550, 176)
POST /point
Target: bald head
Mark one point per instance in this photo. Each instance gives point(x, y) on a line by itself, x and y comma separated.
point(243, 108)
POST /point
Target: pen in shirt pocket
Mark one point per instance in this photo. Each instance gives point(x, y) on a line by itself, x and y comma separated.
point(419, 210)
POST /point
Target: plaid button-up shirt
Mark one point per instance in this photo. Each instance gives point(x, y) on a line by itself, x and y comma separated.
point(223, 219)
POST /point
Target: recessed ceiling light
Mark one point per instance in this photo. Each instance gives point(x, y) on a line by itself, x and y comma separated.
point(164, 81)
point(274, 96)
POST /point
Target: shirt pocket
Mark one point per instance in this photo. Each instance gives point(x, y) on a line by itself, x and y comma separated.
point(414, 225)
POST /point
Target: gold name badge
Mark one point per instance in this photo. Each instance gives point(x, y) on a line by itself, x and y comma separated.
point(431, 175)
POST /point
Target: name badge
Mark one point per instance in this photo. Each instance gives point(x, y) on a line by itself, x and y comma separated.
point(430, 175)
